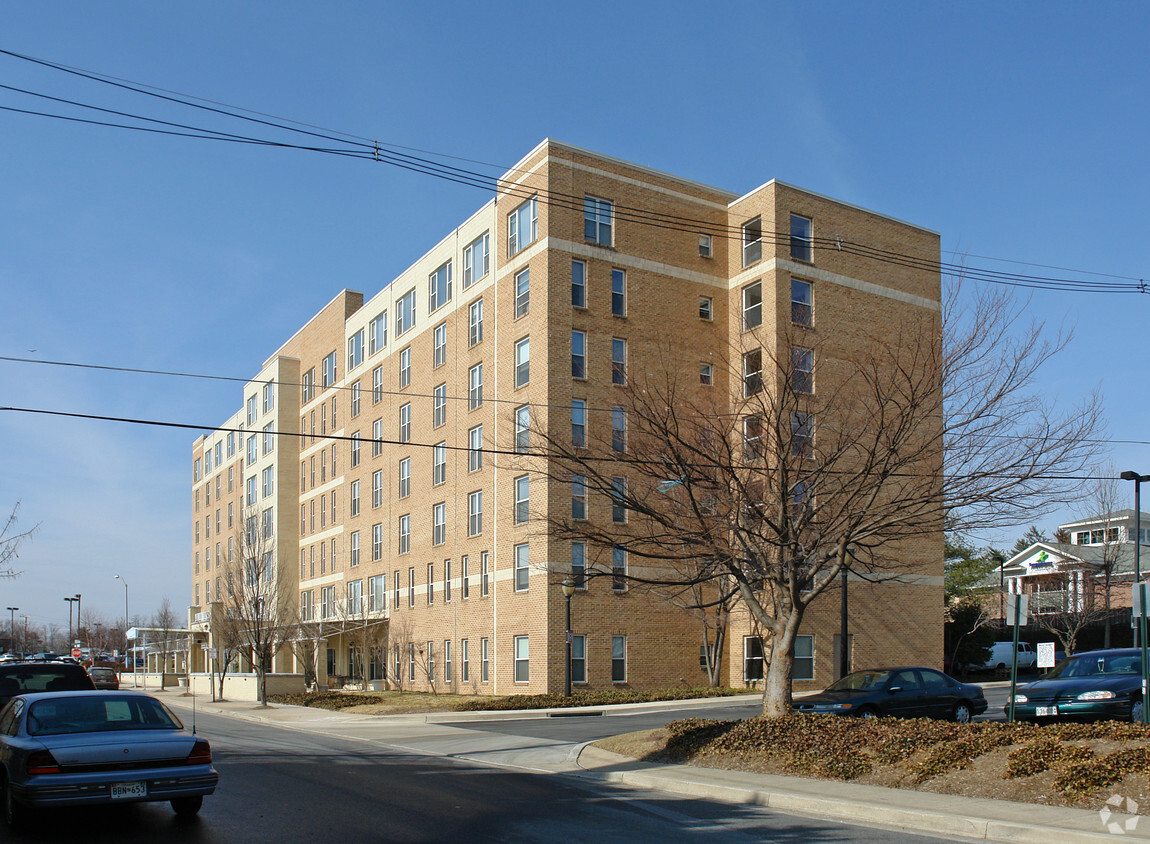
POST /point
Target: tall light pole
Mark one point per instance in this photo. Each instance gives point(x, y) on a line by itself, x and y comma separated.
point(117, 577)
point(70, 602)
point(1138, 479)
point(568, 590)
point(78, 625)
point(12, 627)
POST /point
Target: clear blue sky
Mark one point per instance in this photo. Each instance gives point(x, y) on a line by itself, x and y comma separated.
point(1015, 130)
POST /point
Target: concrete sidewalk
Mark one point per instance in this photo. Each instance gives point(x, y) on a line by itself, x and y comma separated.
point(924, 812)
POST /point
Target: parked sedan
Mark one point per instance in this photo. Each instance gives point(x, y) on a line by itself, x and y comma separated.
point(1090, 686)
point(104, 678)
point(908, 692)
point(83, 748)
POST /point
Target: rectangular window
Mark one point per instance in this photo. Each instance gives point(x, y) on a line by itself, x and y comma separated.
point(404, 367)
point(447, 660)
point(327, 602)
point(411, 586)
point(618, 429)
point(706, 374)
point(522, 362)
point(578, 354)
point(377, 488)
point(706, 307)
point(253, 408)
point(804, 665)
point(355, 597)
point(251, 450)
point(377, 541)
point(484, 660)
point(522, 225)
point(355, 498)
point(522, 293)
point(405, 477)
point(354, 350)
point(752, 372)
point(377, 333)
point(405, 423)
point(354, 548)
point(252, 491)
point(705, 246)
point(475, 513)
point(355, 449)
point(578, 659)
point(439, 288)
point(522, 660)
point(752, 241)
point(618, 568)
point(522, 495)
point(268, 438)
point(618, 292)
point(476, 260)
point(521, 570)
point(269, 403)
point(307, 386)
point(377, 384)
point(464, 666)
point(484, 574)
point(578, 284)
point(522, 428)
point(802, 370)
point(439, 406)
point(355, 399)
point(597, 220)
point(475, 387)
point(475, 323)
point(439, 523)
point(578, 497)
point(752, 438)
point(475, 449)
point(752, 658)
point(752, 305)
point(269, 481)
point(801, 239)
point(618, 361)
point(579, 564)
point(329, 370)
point(405, 312)
point(618, 500)
point(411, 661)
point(430, 585)
point(464, 585)
point(404, 533)
point(578, 423)
point(802, 434)
point(306, 607)
point(439, 464)
point(395, 589)
point(618, 659)
point(439, 346)
point(802, 303)
point(377, 593)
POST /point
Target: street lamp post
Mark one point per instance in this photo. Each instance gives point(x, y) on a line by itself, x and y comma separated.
point(1138, 479)
point(70, 602)
point(568, 590)
point(12, 627)
point(78, 625)
point(117, 577)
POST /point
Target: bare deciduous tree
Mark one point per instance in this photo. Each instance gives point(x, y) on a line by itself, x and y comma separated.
point(165, 622)
point(10, 541)
point(1105, 499)
point(767, 492)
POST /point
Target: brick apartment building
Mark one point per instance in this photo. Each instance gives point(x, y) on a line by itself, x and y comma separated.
point(380, 444)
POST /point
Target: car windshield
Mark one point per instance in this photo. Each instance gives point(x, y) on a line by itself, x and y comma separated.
point(1093, 665)
point(860, 680)
point(89, 714)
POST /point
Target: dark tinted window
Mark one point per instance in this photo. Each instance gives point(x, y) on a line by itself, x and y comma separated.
point(50, 677)
point(89, 714)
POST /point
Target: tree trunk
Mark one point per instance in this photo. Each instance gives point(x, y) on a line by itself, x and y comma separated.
point(777, 697)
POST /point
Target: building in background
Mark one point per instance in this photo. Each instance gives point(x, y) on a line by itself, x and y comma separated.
point(382, 450)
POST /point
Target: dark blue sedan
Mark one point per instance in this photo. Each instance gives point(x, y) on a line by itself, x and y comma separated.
point(1090, 686)
point(908, 692)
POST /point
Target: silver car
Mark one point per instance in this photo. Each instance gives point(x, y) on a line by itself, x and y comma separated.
point(87, 747)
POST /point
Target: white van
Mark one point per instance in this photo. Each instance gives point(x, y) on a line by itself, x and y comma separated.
point(1000, 656)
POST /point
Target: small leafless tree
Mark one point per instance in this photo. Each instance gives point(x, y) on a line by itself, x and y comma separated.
point(10, 541)
point(1105, 500)
point(1072, 614)
point(228, 640)
point(400, 641)
point(305, 645)
point(258, 601)
point(769, 490)
point(165, 622)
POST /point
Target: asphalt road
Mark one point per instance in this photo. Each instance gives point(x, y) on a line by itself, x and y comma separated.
point(364, 781)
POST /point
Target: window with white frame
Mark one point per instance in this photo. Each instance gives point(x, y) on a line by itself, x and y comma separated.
point(377, 593)
point(522, 572)
point(354, 548)
point(377, 384)
point(269, 481)
point(354, 498)
point(475, 323)
point(706, 308)
point(802, 303)
point(430, 594)
point(522, 225)
point(752, 241)
point(618, 659)
point(522, 362)
point(522, 660)
point(705, 246)
point(439, 346)
point(354, 350)
point(405, 477)
point(253, 409)
point(578, 423)
point(801, 239)
point(447, 660)
point(475, 387)
point(307, 386)
point(439, 406)
point(355, 442)
point(329, 370)
point(439, 288)
point(522, 292)
point(579, 564)
point(752, 658)
point(252, 491)
point(404, 367)
point(476, 260)
point(475, 449)
point(484, 573)
point(752, 305)
point(439, 523)
point(269, 439)
point(411, 586)
point(404, 533)
point(578, 497)
point(618, 361)
point(355, 597)
point(484, 660)
point(598, 217)
point(405, 312)
point(618, 292)
point(618, 500)
point(306, 605)
point(804, 662)
point(405, 422)
point(706, 374)
point(377, 438)
point(377, 333)
point(578, 284)
point(464, 574)
point(395, 590)
point(752, 437)
point(475, 513)
point(439, 464)
point(327, 602)
point(355, 399)
point(523, 428)
point(269, 403)
point(752, 372)
point(377, 488)
point(802, 370)
point(618, 568)
point(578, 354)
point(578, 658)
point(251, 449)
point(802, 434)
point(618, 429)
point(522, 499)
point(464, 665)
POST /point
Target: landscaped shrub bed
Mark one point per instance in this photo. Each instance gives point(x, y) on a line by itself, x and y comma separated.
point(593, 698)
point(848, 748)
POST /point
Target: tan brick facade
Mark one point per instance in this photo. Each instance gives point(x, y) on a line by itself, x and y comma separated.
point(664, 275)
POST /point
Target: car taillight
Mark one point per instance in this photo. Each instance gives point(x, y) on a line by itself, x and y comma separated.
point(201, 753)
point(41, 762)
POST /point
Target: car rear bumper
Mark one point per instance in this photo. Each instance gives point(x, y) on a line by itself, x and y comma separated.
point(66, 789)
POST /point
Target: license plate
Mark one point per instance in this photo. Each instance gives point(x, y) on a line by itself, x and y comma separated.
point(120, 790)
point(1045, 710)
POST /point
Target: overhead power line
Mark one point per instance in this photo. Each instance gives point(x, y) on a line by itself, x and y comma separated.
point(401, 157)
